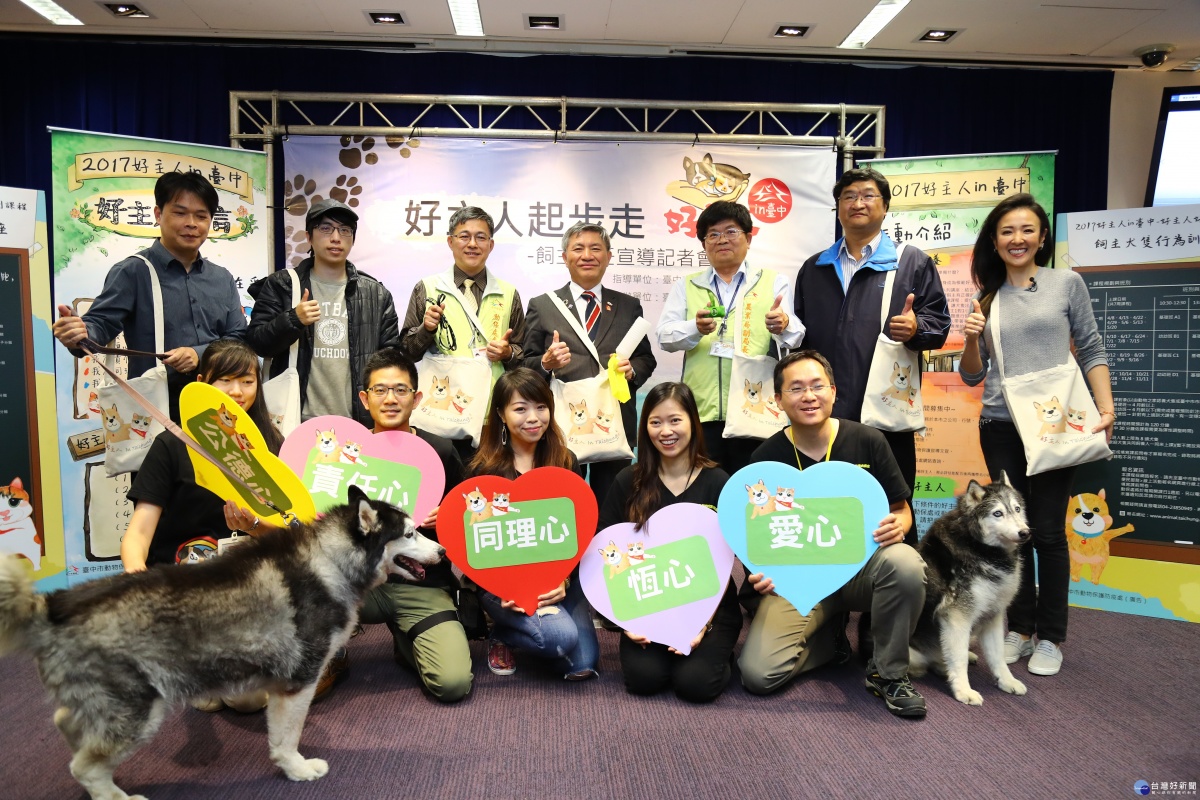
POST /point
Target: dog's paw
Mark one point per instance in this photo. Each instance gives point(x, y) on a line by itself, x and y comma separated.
point(969, 697)
point(307, 769)
point(1011, 685)
point(972, 657)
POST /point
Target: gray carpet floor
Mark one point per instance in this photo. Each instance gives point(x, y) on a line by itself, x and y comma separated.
point(1125, 707)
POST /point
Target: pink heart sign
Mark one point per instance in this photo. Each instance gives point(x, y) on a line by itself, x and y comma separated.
point(330, 453)
point(663, 582)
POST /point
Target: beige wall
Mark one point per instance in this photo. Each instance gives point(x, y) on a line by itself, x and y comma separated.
point(1136, 97)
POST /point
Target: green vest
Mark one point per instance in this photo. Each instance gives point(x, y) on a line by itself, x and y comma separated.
point(495, 310)
point(709, 376)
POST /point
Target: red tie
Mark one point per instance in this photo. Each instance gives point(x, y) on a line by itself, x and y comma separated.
point(593, 314)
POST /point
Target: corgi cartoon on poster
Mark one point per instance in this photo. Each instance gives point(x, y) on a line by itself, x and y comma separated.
point(18, 535)
point(617, 561)
point(1089, 531)
point(761, 499)
point(327, 447)
point(478, 505)
point(1050, 414)
point(439, 394)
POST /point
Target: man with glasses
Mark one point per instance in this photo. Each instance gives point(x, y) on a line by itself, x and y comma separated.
point(782, 643)
point(342, 318)
point(426, 633)
point(707, 310)
point(466, 311)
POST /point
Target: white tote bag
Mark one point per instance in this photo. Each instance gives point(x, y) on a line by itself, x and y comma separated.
point(282, 393)
point(129, 431)
point(1053, 411)
point(585, 410)
point(752, 412)
point(455, 396)
point(892, 400)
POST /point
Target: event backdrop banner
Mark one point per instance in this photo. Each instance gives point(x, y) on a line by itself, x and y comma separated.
point(647, 195)
point(30, 522)
point(103, 195)
point(939, 205)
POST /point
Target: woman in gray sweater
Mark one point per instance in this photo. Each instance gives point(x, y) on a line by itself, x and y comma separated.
point(1045, 310)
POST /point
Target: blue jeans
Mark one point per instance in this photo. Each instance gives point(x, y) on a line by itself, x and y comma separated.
point(568, 638)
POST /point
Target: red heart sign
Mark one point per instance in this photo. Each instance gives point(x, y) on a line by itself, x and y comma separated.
point(518, 539)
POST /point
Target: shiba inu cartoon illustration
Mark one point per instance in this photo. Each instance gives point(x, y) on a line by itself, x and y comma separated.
point(227, 421)
point(500, 504)
point(478, 505)
point(1051, 416)
point(115, 428)
point(752, 392)
point(327, 444)
point(139, 426)
point(1075, 419)
point(604, 420)
point(461, 400)
point(352, 454)
point(636, 552)
point(761, 499)
point(581, 424)
point(1089, 531)
point(715, 180)
point(18, 534)
point(900, 388)
point(617, 561)
point(439, 393)
point(785, 498)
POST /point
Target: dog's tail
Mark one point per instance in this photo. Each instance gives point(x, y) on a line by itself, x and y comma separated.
point(20, 607)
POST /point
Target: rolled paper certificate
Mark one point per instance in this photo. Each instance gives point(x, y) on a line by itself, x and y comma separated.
point(629, 343)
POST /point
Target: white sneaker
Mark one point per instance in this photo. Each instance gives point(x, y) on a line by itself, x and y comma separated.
point(1046, 659)
point(1016, 648)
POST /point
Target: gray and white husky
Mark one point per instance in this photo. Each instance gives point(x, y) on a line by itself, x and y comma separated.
point(117, 653)
point(972, 569)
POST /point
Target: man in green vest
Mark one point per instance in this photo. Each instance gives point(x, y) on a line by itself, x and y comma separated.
point(708, 310)
point(466, 311)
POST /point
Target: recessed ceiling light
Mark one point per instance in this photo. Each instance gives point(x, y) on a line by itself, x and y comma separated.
point(1189, 66)
point(791, 31)
point(938, 35)
point(126, 11)
point(52, 11)
point(875, 21)
point(465, 14)
point(542, 22)
point(386, 17)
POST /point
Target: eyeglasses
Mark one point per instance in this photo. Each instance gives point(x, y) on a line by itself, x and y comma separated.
point(850, 198)
point(799, 391)
point(712, 237)
point(344, 231)
point(381, 391)
point(465, 238)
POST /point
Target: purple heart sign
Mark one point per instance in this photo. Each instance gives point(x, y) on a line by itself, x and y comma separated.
point(663, 582)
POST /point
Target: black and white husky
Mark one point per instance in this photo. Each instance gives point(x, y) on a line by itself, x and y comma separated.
point(972, 569)
point(117, 653)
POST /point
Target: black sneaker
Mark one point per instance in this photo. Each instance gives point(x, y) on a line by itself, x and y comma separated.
point(899, 695)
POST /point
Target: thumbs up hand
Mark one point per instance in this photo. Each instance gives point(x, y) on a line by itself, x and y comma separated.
point(557, 355)
point(973, 327)
point(309, 310)
point(777, 319)
point(903, 326)
point(500, 350)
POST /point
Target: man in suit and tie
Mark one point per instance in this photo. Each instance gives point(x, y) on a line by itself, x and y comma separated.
point(554, 344)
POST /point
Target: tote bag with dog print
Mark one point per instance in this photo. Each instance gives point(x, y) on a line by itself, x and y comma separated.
point(129, 431)
point(282, 392)
point(752, 412)
point(1053, 411)
point(585, 410)
point(455, 396)
point(892, 401)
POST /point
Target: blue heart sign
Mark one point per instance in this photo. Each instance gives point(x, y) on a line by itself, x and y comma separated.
point(810, 532)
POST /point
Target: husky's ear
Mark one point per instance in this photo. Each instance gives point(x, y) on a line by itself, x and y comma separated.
point(367, 516)
point(974, 492)
point(1004, 479)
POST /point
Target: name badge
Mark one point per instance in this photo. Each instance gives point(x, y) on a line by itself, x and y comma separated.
point(236, 539)
point(721, 349)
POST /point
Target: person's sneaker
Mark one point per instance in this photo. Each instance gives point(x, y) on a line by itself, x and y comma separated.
point(1016, 647)
point(581, 675)
point(500, 658)
point(335, 672)
point(1046, 658)
point(899, 695)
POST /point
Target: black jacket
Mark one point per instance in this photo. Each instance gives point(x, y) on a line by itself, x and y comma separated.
point(274, 325)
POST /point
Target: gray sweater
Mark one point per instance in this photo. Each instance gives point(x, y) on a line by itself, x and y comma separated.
point(1038, 330)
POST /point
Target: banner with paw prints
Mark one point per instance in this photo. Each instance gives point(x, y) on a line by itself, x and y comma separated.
point(103, 212)
point(647, 195)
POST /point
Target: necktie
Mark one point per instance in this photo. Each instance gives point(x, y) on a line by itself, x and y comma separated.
point(593, 314)
point(469, 301)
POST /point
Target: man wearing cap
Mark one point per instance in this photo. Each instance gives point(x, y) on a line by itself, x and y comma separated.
point(342, 318)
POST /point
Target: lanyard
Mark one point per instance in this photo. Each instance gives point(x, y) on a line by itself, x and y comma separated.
point(737, 285)
point(828, 450)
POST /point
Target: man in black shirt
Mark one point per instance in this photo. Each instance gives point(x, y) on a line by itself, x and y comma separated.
point(426, 633)
point(782, 643)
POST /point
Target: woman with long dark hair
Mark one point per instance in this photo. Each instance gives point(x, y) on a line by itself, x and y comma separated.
point(673, 467)
point(520, 435)
point(1046, 311)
